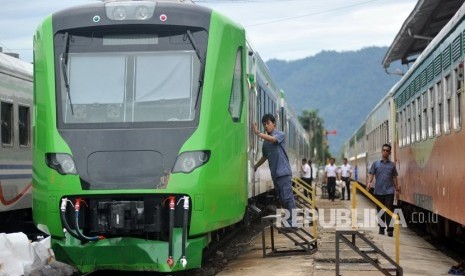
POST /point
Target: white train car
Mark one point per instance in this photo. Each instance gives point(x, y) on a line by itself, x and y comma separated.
point(16, 84)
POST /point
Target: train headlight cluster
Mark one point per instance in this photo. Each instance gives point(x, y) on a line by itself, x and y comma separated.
point(130, 10)
point(61, 162)
point(189, 161)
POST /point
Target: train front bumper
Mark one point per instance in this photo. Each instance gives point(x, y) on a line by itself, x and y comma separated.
point(129, 254)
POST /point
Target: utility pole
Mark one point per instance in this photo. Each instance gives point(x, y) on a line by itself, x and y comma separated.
point(325, 143)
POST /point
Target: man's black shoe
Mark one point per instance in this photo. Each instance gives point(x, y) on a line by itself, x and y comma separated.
point(381, 231)
point(390, 234)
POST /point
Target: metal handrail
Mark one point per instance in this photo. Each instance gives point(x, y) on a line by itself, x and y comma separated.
point(356, 186)
point(299, 183)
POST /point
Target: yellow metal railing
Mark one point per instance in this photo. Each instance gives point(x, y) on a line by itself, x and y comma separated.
point(355, 187)
point(299, 184)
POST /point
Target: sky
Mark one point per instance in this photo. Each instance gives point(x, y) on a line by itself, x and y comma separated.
point(278, 29)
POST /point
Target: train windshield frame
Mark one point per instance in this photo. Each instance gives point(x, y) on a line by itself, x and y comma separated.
point(129, 78)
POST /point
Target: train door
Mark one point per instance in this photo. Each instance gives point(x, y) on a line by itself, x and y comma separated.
point(252, 141)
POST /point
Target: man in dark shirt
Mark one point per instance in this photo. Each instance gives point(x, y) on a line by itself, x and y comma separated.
point(386, 187)
point(273, 151)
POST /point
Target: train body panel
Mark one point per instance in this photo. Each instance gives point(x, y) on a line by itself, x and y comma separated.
point(138, 117)
point(431, 176)
point(15, 149)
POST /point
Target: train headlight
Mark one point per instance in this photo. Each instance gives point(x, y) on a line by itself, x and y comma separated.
point(189, 161)
point(130, 10)
point(61, 162)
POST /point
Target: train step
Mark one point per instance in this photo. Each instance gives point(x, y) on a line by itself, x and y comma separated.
point(304, 242)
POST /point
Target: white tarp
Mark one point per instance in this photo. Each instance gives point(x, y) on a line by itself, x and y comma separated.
point(18, 256)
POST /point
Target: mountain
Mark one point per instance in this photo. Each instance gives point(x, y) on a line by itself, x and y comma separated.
point(343, 86)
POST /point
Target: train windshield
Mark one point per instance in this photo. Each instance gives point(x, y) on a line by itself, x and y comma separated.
point(122, 80)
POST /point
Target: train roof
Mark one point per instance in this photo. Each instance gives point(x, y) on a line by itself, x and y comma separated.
point(15, 67)
point(432, 46)
point(423, 24)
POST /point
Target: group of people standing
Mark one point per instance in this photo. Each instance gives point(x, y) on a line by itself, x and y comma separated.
point(334, 173)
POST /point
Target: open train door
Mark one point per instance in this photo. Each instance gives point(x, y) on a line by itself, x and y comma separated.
point(252, 113)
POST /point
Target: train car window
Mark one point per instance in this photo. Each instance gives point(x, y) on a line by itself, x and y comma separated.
point(405, 122)
point(408, 124)
point(274, 111)
point(404, 130)
point(413, 121)
point(419, 121)
point(108, 77)
point(263, 103)
point(432, 112)
point(402, 134)
point(439, 109)
point(237, 93)
point(424, 115)
point(269, 104)
point(24, 126)
point(7, 123)
point(399, 128)
point(448, 104)
point(290, 139)
point(386, 132)
point(458, 76)
point(251, 117)
point(267, 107)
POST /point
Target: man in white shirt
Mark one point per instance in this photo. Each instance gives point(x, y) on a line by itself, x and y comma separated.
point(330, 178)
point(305, 174)
point(346, 174)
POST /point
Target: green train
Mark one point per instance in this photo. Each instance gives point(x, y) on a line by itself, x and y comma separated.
point(142, 137)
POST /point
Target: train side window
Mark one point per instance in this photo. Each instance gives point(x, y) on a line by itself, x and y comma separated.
point(458, 100)
point(408, 124)
point(432, 112)
point(399, 128)
point(237, 95)
point(419, 122)
point(448, 104)
point(413, 119)
point(7, 123)
point(439, 109)
point(24, 126)
point(292, 135)
point(261, 103)
point(424, 114)
point(402, 128)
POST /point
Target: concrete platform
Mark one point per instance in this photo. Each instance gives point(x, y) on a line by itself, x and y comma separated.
point(417, 256)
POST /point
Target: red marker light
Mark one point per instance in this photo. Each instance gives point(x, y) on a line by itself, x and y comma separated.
point(163, 17)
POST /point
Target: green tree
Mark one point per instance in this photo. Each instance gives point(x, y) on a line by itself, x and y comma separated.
point(314, 125)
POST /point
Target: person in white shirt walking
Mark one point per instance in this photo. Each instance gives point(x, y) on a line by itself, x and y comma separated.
point(346, 174)
point(330, 178)
point(305, 174)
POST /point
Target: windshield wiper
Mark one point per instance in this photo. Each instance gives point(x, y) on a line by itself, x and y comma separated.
point(202, 64)
point(64, 69)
